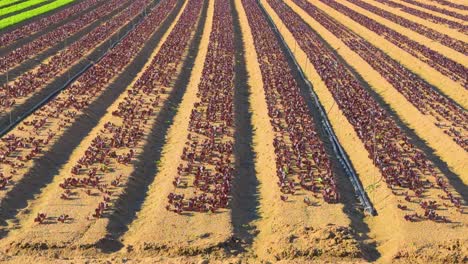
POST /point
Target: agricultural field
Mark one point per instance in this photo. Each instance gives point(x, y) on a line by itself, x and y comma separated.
point(233, 131)
point(14, 12)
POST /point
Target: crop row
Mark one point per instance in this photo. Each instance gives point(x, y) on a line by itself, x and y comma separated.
point(37, 78)
point(35, 26)
point(301, 160)
point(457, 45)
point(34, 135)
point(415, 89)
point(448, 67)
point(51, 38)
point(427, 16)
point(437, 9)
point(403, 166)
point(207, 159)
point(32, 13)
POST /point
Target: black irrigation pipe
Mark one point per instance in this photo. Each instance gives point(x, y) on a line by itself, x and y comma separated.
point(20, 118)
point(337, 148)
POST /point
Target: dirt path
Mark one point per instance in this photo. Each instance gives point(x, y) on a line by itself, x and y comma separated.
point(245, 196)
point(401, 239)
point(459, 2)
point(447, 86)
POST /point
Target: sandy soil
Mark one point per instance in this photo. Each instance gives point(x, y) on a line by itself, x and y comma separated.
point(130, 259)
point(455, 34)
point(157, 230)
point(423, 125)
point(392, 240)
point(447, 86)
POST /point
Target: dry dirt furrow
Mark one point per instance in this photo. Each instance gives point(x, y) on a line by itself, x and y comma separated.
point(441, 63)
point(166, 66)
point(245, 196)
point(236, 131)
point(457, 4)
point(145, 165)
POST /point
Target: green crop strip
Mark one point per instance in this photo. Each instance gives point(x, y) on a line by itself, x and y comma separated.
point(7, 2)
point(20, 6)
point(32, 13)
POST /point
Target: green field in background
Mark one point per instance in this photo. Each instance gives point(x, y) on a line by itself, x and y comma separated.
point(19, 6)
point(7, 2)
point(32, 13)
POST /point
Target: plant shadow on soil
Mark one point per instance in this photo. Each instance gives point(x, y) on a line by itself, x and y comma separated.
point(352, 207)
point(245, 185)
point(146, 163)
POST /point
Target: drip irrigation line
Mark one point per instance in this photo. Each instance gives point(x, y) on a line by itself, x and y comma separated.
point(337, 148)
